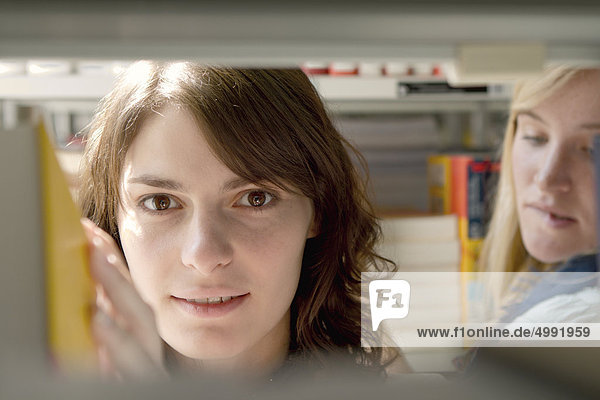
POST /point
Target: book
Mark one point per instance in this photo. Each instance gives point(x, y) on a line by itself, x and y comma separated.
point(596, 153)
point(48, 300)
point(437, 228)
point(427, 245)
point(439, 177)
point(405, 254)
point(69, 287)
point(463, 184)
point(422, 242)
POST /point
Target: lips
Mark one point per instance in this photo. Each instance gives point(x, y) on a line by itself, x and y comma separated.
point(554, 216)
point(209, 307)
point(206, 294)
point(212, 300)
point(559, 217)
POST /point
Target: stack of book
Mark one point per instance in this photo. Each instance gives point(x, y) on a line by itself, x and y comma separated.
point(424, 243)
point(464, 185)
point(426, 250)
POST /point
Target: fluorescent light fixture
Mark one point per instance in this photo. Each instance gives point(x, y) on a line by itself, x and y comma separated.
point(12, 67)
point(48, 67)
point(482, 63)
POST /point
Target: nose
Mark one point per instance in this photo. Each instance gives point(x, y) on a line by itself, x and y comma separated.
point(553, 174)
point(206, 246)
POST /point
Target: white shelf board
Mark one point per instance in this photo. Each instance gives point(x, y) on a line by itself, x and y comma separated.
point(410, 104)
point(354, 89)
point(68, 87)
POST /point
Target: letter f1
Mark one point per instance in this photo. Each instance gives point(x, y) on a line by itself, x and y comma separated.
point(381, 297)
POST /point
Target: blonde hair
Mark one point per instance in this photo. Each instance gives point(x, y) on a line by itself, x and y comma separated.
point(503, 249)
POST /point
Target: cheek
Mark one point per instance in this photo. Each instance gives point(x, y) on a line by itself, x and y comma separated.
point(144, 251)
point(279, 244)
point(586, 194)
point(523, 168)
point(277, 248)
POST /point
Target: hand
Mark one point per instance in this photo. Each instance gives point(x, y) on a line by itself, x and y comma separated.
point(123, 326)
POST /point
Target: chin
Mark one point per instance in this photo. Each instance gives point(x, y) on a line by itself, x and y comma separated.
point(204, 349)
point(548, 258)
point(551, 254)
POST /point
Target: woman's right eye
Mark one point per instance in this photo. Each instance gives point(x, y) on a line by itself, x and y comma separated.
point(160, 202)
point(535, 139)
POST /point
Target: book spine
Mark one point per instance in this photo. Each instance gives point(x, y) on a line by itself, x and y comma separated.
point(491, 185)
point(596, 156)
point(439, 179)
point(69, 287)
point(471, 178)
point(477, 172)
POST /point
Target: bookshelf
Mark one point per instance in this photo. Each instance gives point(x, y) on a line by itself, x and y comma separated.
point(70, 99)
point(243, 36)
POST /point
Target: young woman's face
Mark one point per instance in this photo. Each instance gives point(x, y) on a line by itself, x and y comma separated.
point(217, 258)
point(553, 171)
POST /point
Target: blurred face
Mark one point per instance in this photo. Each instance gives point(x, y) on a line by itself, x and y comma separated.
point(553, 171)
point(217, 258)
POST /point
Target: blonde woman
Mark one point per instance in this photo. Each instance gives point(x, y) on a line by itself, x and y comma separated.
point(545, 210)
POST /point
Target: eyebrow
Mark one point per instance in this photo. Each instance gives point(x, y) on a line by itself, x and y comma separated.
point(591, 126)
point(155, 181)
point(234, 183)
point(158, 182)
point(531, 114)
point(595, 126)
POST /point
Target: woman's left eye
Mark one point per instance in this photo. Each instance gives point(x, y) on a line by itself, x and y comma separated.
point(159, 202)
point(256, 199)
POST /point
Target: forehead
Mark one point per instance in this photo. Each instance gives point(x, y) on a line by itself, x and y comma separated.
point(577, 99)
point(171, 144)
point(170, 141)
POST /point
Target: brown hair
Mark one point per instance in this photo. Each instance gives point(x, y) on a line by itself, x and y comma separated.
point(264, 125)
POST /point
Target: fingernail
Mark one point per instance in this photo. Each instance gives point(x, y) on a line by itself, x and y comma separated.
point(88, 224)
point(97, 241)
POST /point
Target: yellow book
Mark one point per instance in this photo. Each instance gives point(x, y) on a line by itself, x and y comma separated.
point(69, 287)
point(440, 183)
point(470, 291)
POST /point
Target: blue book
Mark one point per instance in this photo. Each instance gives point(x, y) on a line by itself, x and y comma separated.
point(596, 153)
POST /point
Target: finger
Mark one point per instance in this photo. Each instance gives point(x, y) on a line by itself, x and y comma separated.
point(106, 367)
point(122, 352)
point(103, 302)
point(100, 248)
point(119, 299)
point(94, 233)
point(88, 228)
point(119, 291)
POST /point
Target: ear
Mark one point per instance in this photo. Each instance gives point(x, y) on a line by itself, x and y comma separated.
point(314, 228)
